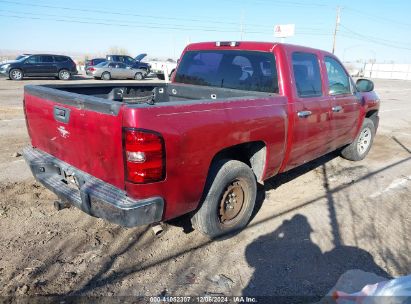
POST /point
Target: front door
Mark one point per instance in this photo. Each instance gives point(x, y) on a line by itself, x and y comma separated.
point(345, 105)
point(32, 65)
point(312, 118)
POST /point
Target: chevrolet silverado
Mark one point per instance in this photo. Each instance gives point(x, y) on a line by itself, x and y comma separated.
point(234, 115)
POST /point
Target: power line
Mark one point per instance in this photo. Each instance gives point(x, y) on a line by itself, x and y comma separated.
point(377, 18)
point(113, 12)
point(288, 3)
point(99, 11)
point(375, 40)
point(144, 26)
point(105, 20)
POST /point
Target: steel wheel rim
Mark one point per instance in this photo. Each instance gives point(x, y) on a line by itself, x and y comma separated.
point(232, 203)
point(139, 76)
point(65, 75)
point(105, 76)
point(16, 74)
point(364, 141)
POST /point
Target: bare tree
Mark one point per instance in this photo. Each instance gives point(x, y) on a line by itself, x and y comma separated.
point(118, 50)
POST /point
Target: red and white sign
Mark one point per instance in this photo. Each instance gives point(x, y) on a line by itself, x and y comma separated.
point(284, 30)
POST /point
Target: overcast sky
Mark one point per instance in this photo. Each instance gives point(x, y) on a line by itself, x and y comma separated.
point(369, 29)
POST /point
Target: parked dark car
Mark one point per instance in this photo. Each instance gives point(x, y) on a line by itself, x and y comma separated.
point(62, 67)
point(135, 63)
point(94, 61)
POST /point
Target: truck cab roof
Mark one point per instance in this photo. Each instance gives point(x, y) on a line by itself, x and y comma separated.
point(248, 45)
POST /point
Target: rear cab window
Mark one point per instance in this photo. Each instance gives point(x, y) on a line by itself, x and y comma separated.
point(233, 69)
point(307, 75)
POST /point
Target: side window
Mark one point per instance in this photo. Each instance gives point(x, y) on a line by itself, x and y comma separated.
point(46, 59)
point(120, 65)
point(129, 60)
point(33, 60)
point(307, 74)
point(60, 58)
point(338, 80)
point(112, 65)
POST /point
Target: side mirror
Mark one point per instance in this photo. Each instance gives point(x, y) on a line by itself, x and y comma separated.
point(364, 85)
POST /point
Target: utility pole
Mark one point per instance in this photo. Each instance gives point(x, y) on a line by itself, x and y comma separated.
point(242, 26)
point(337, 24)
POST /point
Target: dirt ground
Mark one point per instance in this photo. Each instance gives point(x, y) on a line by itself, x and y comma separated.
point(312, 225)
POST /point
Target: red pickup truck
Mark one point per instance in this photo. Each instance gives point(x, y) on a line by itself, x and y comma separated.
point(235, 114)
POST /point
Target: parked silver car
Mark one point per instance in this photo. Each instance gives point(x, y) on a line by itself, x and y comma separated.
point(115, 70)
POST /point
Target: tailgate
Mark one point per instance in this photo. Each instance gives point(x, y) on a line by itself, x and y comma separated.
point(83, 131)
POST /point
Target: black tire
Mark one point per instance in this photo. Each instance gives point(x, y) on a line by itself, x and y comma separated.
point(16, 74)
point(64, 74)
point(360, 147)
point(106, 76)
point(160, 76)
point(226, 175)
point(139, 76)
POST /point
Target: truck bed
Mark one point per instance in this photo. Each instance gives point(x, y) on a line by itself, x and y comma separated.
point(109, 97)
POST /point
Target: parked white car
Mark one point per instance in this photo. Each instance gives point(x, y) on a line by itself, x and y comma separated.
point(163, 67)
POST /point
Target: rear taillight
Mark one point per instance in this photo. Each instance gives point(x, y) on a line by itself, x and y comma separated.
point(144, 155)
point(91, 69)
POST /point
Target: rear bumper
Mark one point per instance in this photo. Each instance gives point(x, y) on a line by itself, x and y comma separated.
point(90, 194)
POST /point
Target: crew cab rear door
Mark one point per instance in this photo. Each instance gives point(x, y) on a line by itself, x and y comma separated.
point(311, 118)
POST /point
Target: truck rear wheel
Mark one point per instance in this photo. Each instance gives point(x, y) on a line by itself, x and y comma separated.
point(360, 147)
point(230, 195)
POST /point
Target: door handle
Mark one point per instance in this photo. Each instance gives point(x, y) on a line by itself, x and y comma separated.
point(304, 114)
point(337, 109)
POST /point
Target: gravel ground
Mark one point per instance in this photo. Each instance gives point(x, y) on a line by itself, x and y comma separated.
point(311, 226)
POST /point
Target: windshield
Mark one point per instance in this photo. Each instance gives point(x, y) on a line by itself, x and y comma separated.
point(21, 57)
point(241, 70)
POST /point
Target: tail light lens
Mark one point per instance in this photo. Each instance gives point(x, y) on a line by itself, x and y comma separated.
point(144, 156)
point(91, 69)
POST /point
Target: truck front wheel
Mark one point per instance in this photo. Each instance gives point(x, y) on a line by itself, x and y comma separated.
point(230, 195)
point(360, 147)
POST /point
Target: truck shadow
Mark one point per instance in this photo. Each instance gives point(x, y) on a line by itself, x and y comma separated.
point(290, 267)
point(283, 178)
point(286, 261)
